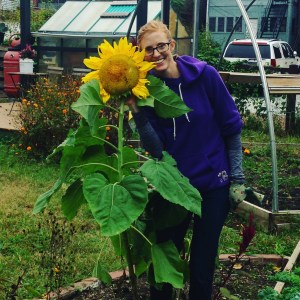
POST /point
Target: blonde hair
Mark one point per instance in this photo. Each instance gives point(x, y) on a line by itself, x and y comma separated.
point(153, 26)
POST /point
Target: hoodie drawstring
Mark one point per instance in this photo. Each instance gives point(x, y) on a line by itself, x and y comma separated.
point(186, 115)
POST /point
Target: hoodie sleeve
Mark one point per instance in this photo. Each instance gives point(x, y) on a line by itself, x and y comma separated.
point(149, 138)
point(227, 115)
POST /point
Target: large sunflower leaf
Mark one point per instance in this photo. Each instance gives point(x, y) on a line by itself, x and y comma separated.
point(43, 199)
point(167, 264)
point(115, 206)
point(167, 103)
point(101, 273)
point(89, 103)
point(72, 199)
point(172, 185)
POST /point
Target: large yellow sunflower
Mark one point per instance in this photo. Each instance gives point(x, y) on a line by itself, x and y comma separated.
point(119, 69)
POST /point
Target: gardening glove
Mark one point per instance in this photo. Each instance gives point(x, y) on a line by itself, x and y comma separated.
point(238, 193)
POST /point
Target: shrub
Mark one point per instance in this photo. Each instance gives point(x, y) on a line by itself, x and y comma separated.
point(46, 114)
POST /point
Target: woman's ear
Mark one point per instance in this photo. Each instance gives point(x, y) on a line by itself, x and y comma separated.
point(172, 45)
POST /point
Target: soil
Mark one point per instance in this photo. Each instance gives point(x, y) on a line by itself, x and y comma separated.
point(286, 200)
point(245, 282)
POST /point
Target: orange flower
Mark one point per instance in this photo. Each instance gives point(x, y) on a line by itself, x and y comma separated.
point(107, 128)
point(28, 148)
point(246, 151)
point(107, 138)
point(35, 105)
point(64, 111)
point(24, 101)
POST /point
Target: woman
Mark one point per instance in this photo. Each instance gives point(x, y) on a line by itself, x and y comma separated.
point(205, 144)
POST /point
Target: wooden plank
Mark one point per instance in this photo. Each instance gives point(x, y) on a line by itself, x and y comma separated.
point(288, 267)
point(262, 216)
point(277, 83)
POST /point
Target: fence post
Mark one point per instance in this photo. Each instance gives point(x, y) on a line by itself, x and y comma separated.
point(290, 111)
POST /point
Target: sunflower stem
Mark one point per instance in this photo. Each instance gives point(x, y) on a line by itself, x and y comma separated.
point(124, 234)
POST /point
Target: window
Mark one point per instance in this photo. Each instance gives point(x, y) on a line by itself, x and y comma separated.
point(273, 24)
point(246, 51)
point(283, 25)
point(276, 50)
point(118, 11)
point(221, 23)
point(239, 27)
point(229, 24)
point(287, 50)
point(212, 24)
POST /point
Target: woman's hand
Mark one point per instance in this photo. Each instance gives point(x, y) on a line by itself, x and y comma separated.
point(131, 103)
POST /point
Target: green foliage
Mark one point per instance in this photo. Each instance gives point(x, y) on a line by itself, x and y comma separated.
point(116, 190)
point(38, 16)
point(46, 115)
point(291, 289)
point(209, 50)
point(3, 27)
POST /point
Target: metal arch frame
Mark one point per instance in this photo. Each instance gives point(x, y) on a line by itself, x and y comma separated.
point(268, 106)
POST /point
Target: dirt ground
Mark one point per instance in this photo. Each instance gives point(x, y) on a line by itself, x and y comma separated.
point(9, 120)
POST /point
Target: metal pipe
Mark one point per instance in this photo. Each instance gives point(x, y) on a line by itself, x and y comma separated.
point(268, 106)
point(196, 28)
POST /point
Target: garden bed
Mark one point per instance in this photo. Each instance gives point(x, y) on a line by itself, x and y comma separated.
point(249, 276)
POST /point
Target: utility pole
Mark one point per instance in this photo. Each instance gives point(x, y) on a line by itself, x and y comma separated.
point(25, 22)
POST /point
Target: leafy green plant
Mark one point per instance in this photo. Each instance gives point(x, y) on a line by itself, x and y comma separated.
point(120, 189)
point(46, 115)
point(291, 290)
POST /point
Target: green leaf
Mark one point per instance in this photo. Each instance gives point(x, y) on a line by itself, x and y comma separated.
point(141, 267)
point(89, 103)
point(43, 199)
point(85, 135)
point(130, 160)
point(115, 206)
point(172, 185)
point(101, 274)
point(226, 293)
point(167, 103)
point(72, 200)
point(167, 264)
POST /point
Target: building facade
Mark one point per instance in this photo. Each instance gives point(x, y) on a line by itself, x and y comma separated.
point(270, 19)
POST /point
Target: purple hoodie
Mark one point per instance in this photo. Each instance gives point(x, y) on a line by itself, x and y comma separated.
point(196, 140)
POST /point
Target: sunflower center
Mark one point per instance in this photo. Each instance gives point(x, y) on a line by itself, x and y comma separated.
point(118, 74)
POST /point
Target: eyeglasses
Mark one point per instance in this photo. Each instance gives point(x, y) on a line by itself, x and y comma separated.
point(161, 47)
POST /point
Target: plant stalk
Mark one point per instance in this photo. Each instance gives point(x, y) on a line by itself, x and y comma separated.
point(124, 235)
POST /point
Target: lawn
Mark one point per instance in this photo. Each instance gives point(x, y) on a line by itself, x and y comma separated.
point(48, 252)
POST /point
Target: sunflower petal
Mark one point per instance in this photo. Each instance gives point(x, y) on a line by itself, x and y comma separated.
point(90, 76)
point(93, 62)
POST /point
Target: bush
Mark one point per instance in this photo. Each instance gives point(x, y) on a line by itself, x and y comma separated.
point(46, 114)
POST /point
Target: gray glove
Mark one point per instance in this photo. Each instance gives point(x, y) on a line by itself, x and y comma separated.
point(238, 193)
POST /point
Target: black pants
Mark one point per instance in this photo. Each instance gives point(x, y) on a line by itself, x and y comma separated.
point(204, 248)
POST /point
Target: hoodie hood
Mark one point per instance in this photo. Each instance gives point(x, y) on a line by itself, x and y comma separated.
point(191, 67)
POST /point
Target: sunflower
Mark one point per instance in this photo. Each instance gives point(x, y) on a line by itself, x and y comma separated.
point(119, 69)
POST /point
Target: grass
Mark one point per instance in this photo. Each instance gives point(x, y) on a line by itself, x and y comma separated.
point(47, 252)
point(25, 239)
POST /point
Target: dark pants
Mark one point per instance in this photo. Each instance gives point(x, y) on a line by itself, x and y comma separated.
point(204, 248)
